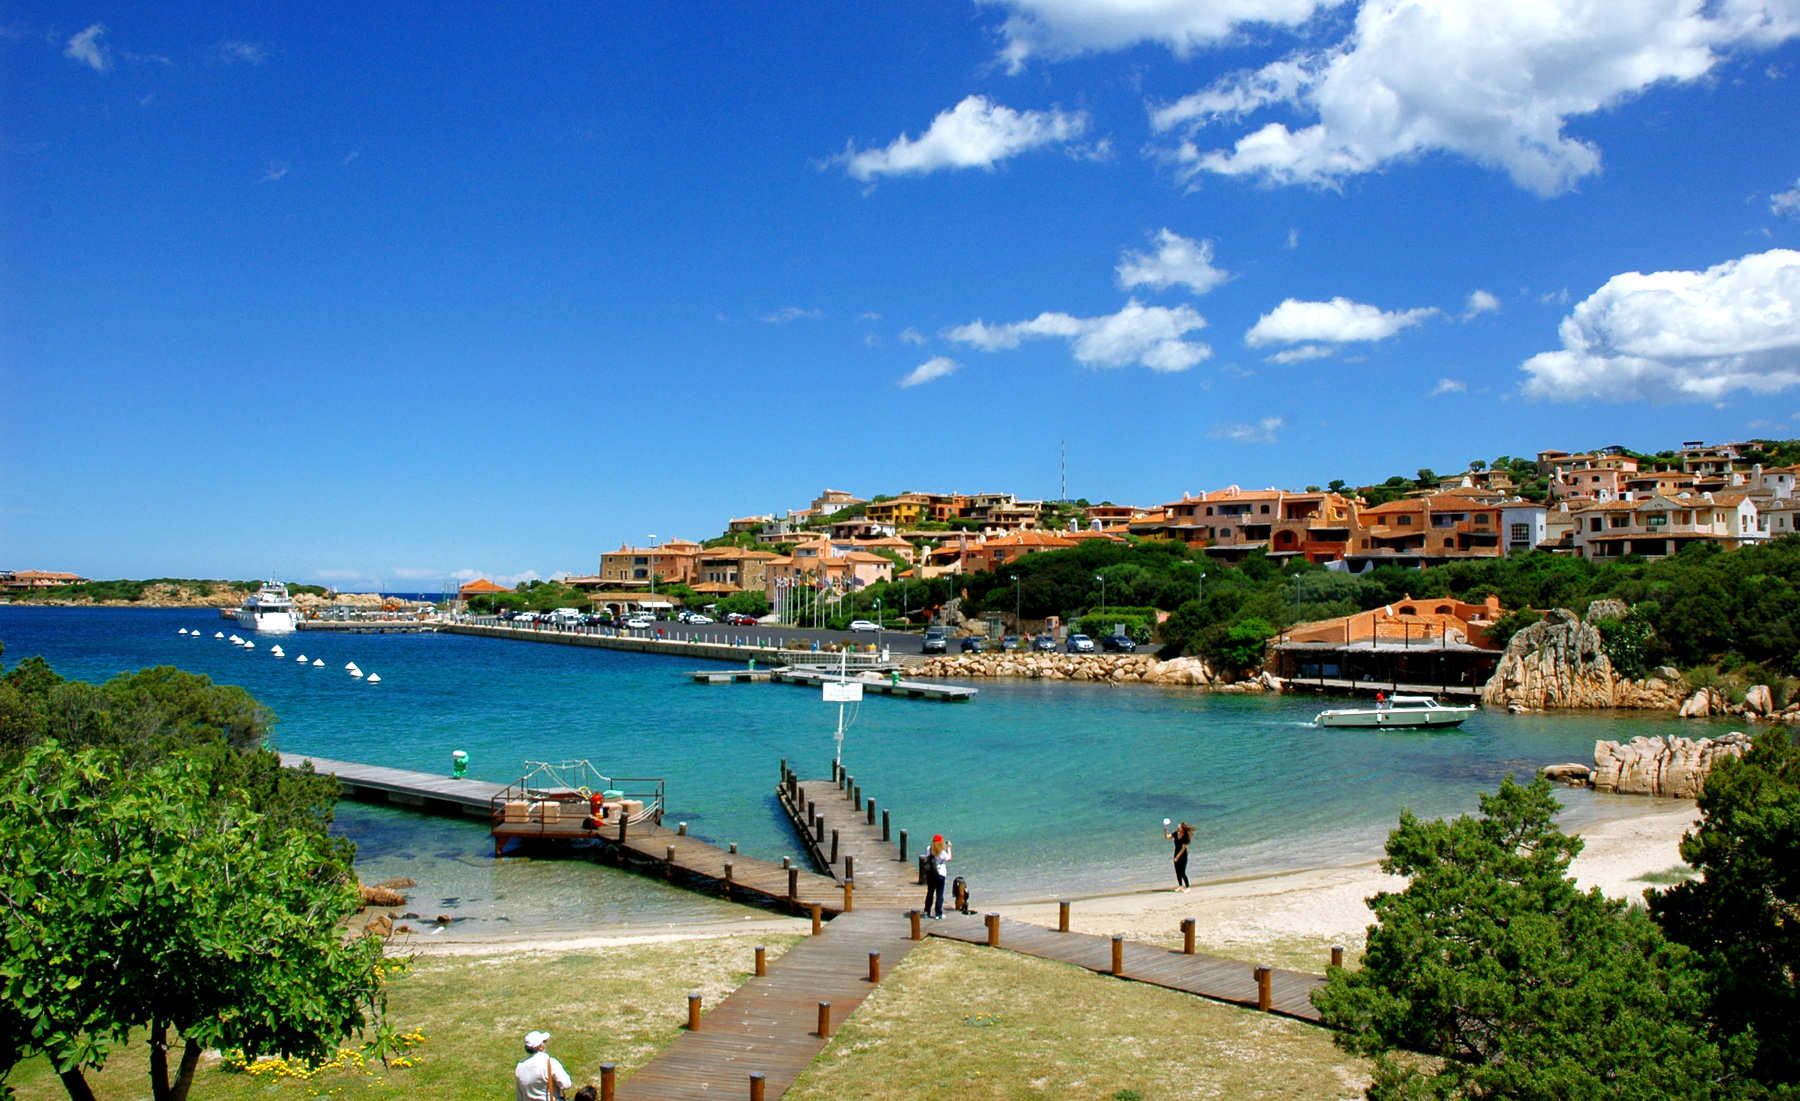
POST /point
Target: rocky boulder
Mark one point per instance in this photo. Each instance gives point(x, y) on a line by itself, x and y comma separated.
point(1675, 768)
point(1110, 668)
point(1575, 775)
point(1558, 663)
point(1760, 700)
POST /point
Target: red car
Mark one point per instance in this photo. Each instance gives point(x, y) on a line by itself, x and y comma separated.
point(739, 619)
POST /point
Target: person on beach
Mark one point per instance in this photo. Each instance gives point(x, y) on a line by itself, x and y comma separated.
point(937, 871)
point(539, 1077)
point(1182, 835)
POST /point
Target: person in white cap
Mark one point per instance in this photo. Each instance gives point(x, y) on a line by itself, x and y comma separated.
point(539, 1077)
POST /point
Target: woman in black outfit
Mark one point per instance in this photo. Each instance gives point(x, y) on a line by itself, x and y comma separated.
point(1183, 834)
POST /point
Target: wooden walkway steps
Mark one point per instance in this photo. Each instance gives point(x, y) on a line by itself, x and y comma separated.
point(879, 685)
point(418, 790)
point(1211, 977)
point(769, 1025)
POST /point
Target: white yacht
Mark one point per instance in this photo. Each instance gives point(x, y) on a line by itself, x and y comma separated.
point(1398, 711)
point(268, 609)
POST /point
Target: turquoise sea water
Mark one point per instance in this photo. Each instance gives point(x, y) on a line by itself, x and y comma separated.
point(1047, 789)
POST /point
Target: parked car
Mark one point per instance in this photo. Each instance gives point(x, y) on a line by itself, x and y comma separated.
point(972, 644)
point(597, 620)
point(864, 625)
point(698, 618)
point(1080, 644)
point(639, 622)
point(935, 642)
point(1043, 642)
point(740, 619)
point(525, 617)
point(1118, 644)
point(1009, 642)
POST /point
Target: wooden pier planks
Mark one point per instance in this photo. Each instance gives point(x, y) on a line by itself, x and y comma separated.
point(769, 1024)
point(908, 689)
point(881, 879)
point(419, 790)
point(1206, 976)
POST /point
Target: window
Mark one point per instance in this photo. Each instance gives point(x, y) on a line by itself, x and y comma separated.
point(1265, 509)
point(1405, 521)
point(1209, 510)
point(1442, 609)
point(1481, 518)
point(1621, 521)
point(1521, 533)
point(1448, 543)
point(1594, 524)
point(1408, 609)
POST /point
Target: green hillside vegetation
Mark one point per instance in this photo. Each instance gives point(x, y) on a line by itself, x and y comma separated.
point(134, 591)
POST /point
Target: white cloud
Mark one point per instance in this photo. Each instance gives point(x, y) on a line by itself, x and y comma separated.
point(1480, 302)
point(1293, 239)
point(870, 316)
point(1334, 322)
point(910, 335)
point(792, 313)
point(1680, 335)
point(1450, 386)
point(85, 47)
point(1555, 298)
point(274, 170)
point(1150, 335)
point(1303, 352)
point(1261, 432)
point(976, 133)
point(1786, 203)
point(1495, 83)
point(1056, 29)
point(250, 53)
point(934, 368)
point(1177, 260)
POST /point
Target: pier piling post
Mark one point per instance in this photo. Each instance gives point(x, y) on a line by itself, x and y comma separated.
point(728, 879)
point(1337, 955)
point(913, 915)
point(874, 967)
point(1062, 916)
point(815, 916)
point(734, 848)
point(824, 1020)
point(884, 830)
point(812, 810)
point(682, 832)
point(1118, 943)
point(624, 820)
point(786, 863)
point(849, 895)
point(993, 928)
point(1263, 977)
point(856, 797)
point(819, 822)
point(834, 847)
point(606, 1081)
point(756, 1086)
point(1187, 936)
point(669, 862)
point(902, 839)
point(762, 961)
point(921, 869)
point(793, 889)
point(694, 1012)
point(784, 772)
point(872, 813)
point(849, 785)
point(849, 866)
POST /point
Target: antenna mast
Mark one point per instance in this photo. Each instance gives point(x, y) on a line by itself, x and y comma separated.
point(1065, 470)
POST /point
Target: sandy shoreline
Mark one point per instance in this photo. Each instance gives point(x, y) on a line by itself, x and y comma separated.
point(1297, 911)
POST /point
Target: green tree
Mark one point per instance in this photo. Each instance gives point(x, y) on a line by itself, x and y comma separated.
point(1525, 987)
point(1739, 916)
point(1246, 641)
point(141, 899)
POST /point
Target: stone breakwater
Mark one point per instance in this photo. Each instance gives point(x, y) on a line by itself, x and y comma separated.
point(1107, 668)
point(1675, 768)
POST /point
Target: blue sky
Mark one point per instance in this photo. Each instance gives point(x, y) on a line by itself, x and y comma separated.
point(399, 293)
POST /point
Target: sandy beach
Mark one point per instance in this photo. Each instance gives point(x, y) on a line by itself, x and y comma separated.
point(1291, 917)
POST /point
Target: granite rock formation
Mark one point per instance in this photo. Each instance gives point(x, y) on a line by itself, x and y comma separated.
point(1111, 668)
point(1675, 768)
point(1558, 663)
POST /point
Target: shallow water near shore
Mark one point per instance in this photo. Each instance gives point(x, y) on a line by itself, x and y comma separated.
point(1047, 789)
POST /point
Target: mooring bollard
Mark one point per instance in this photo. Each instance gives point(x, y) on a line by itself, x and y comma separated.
point(784, 772)
point(1187, 936)
point(762, 961)
point(793, 888)
point(694, 1012)
point(921, 869)
point(917, 934)
point(834, 844)
point(682, 832)
point(884, 828)
point(849, 895)
point(1263, 977)
point(734, 848)
point(849, 866)
point(824, 1020)
point(856, 797)
point(872, 814)
point(728, 879)
point(606, 1081)
point(756, 1086)
point(812, 811)
point(787, 862)
point(874, 966)
point(1062, 916)
point(902, 839)
point(624, 820)
point(850, 787)
point(669, 863)
point(816, 915)
point(821, 825)
point(1337, 955)
point(993, 927)
point(1118, 960)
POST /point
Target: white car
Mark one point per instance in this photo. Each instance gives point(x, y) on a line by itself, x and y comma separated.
point(698, 618)
point(639, 623)
point(864, 625)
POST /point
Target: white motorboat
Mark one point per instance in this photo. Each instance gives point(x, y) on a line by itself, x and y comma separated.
point(268, 609)
point(1398, 712)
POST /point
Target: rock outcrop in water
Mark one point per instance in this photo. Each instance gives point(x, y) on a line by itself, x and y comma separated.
point(1109, 668)
point(1558, 663)
point(1674, 767)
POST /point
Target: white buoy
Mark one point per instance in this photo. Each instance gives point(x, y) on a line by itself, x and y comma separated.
point(183, 631)
point(356, 672)
point(249, 645)
point(301, 659)
point(350, 665)
point(374, 678)
point(317, 663)
point(218, 634)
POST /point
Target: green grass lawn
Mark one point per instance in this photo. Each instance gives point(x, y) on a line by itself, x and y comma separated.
point(618, 1004)
point(965, 1022)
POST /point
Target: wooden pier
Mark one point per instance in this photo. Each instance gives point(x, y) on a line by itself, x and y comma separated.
point(372, 626)
point(731, 676)
point(417, 790)
point(884, 686)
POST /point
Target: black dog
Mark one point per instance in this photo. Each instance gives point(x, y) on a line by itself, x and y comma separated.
point(959, 894)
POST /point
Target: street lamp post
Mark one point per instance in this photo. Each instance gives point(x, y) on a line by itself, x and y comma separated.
point(652, 563)
point(1018, 624)
point(1102, 581)
point(878, 624)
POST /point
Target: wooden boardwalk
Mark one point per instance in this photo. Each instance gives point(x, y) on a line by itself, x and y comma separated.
point(418, 790)
point(881, 686)
point(845, 841)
